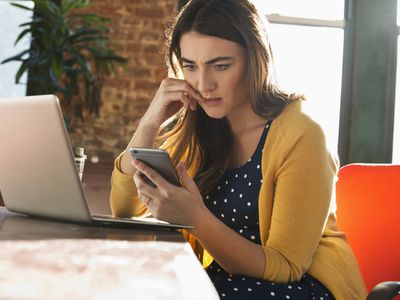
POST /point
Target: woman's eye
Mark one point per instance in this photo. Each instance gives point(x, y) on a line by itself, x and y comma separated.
point(221, 67)
point(188, 67)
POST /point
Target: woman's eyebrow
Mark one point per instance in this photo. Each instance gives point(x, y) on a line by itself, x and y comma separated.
point(209, 62)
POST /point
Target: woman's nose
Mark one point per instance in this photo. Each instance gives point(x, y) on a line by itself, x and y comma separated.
point(205, 83)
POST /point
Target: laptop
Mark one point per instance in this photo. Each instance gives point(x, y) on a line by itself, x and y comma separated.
point(38, 175)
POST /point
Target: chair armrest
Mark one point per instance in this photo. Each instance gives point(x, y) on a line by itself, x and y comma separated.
point(385, 291)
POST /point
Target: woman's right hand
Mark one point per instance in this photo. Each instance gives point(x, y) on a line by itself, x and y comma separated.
point(170, 97)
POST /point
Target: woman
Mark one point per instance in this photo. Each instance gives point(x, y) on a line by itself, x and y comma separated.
point(259, 189)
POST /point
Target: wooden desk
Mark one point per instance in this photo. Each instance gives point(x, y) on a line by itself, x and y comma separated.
point(41, 259)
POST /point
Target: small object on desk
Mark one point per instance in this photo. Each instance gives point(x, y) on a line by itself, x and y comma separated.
point(80, 157)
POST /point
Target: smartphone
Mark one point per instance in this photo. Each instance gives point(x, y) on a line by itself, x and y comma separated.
point(159, 160)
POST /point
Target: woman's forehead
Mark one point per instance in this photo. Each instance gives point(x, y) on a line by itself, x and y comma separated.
point(199, 47)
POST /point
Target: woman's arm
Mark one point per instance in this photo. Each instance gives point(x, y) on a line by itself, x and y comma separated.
point(170, 97)
point(302, 191)
point(144, 136)
point(234, 253)
point(185, 205)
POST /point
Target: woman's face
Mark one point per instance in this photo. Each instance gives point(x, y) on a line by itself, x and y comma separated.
point(216, 68)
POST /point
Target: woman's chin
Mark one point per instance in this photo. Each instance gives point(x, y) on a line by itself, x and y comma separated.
point(214, 114)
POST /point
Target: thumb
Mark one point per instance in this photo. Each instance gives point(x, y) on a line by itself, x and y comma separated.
point(186, 181)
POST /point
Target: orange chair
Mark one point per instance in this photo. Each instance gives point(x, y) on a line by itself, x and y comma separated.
point(368, 210)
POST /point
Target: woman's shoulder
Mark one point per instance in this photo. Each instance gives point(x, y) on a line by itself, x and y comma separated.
point(295, 113)
point(295, 126)
point(294, 120)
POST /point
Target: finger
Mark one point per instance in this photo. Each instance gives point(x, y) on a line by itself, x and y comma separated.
point(143, 186)
point(191, 102)
point(146, 199)
point(179, 96)
point(148, 202)
point(182, 85)
point(186, 181)
point(142, 197)
point(151, 174)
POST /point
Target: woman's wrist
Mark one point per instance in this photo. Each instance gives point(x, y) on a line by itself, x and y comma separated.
point(144, 136)
point(200, 220)
point(148, 123)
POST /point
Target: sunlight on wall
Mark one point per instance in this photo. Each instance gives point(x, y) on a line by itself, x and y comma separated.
point(10, 18)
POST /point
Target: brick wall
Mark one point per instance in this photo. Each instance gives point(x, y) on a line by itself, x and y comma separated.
point(138, 34)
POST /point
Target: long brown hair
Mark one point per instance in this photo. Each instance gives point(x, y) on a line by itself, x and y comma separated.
point(194, 135)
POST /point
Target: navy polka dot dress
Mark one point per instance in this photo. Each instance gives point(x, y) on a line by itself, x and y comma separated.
point(235, 202)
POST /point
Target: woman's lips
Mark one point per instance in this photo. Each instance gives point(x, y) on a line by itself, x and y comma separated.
point(212, 101)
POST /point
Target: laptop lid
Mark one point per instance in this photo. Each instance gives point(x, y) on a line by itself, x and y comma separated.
point(37, 171)
point(38, 174)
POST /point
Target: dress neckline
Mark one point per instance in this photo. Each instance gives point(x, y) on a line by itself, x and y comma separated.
point(260, 143)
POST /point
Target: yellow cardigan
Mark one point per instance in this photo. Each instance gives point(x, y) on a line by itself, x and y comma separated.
point(296, 208)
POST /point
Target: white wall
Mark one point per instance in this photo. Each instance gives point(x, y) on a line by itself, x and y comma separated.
point(10, 18)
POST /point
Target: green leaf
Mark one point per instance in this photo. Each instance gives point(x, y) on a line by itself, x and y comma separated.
point(21, 35)
point(57, 67)
point(47, 10)
point(85, 32)
point(35, 21)
point(88, 17)
point(22, 6)
point(21, 71)
point(68, 5)
point(17, 57)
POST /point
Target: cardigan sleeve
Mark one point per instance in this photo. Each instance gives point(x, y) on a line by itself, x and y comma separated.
point(302, 195)
point(124, 201)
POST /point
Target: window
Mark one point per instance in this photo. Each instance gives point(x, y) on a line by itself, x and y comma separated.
point(307, 40)
point(10, 19)
point(396, 129)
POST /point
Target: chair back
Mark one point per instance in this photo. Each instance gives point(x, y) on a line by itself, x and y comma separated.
point(368, 211)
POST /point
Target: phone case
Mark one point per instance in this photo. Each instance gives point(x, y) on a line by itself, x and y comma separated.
point(159, 160)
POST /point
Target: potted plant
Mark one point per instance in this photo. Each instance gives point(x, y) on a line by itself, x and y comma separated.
point(68, 55)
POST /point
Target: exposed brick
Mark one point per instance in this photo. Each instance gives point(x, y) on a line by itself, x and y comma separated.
point(151, 12)
point(137, 33)
point(119, 83)
point(133, 47)
point(153, 59)
point(146, 85)
point(160, 73)
point(151, 49)
point(139, 72)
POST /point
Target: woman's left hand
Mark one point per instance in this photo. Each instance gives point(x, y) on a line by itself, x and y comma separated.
point(167, 202)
